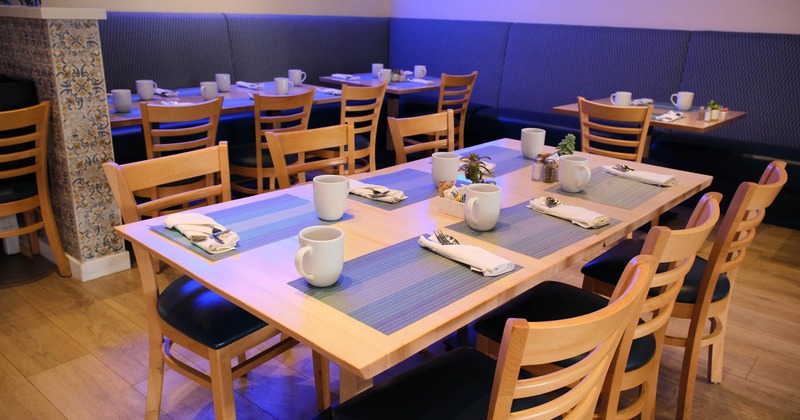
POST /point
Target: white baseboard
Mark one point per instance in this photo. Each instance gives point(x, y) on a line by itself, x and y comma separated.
point(94, 268)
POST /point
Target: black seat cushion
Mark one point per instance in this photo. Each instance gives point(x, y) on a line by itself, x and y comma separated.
point(245, 155)
point(15, 189)
point(609, 266)
point(204, 315)
point(457, 385)
point(550, 301)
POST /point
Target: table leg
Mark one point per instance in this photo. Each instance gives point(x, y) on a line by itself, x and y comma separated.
point(392, 110)
point(322, 380)
point(351, 385)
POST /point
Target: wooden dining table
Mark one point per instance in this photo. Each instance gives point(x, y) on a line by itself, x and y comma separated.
point(394, 298)
point(234, 101)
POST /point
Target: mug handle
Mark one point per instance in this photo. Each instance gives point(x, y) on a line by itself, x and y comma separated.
point(298, 261)
point(586, 175)
point(424, 72)
point(470, 206)
point(291, 85)
point(303, 79)
point(674, 99)
point(203, 91)
point(613, 98)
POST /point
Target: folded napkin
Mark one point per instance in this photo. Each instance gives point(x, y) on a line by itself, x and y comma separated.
point(165, 92)
point(347, 77)
point(644, 176)
point(641, 102)
point(669, 116)
point(407, 72)
point(363, 190)
point(477, 258)
point(248, 85)
point(423, 81)
point(330, 91)
point(577, 215)
point(194, 225)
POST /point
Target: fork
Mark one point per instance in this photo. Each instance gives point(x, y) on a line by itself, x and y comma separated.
point(551, 202)
point(624, 168)
point(378, 194)
point(444, 238)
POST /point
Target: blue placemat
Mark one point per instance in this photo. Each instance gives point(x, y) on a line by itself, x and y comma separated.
point(507, 160)
point(396, 286)
point(404, 84)
point(669, 107)
point(529, 232)
point(258, 224)
point(417, 185)
point(613, 190)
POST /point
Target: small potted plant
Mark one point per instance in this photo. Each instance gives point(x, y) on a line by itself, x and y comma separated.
point(714, 107)
point(566, 146)
point(474, 167)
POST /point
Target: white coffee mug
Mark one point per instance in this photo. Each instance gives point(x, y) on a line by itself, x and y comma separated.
point(483, 206)
point(420, 71)
point(330, 196)
point(145, 89)
point(621, 98)
point(208, 90)
point(573, 172)
point(532, 142)
point(321, 255)
point(444, 167)
point(121, 98)
point(297, 76)
point(282, 85)
point(376, 69)
point(385, 75)
point(682, 100)
point(223, 81)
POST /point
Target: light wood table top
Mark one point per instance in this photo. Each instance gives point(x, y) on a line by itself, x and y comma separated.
point(689, 122)
point(258, 279)
point(394, 88)
point(235, 101)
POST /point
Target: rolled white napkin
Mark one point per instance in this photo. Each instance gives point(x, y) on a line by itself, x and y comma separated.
point(330, 91)
point(200, 225)
point(478, 259)
point(248, 85)
point(165, 92)
point(578, 215)
point(363, 190)
point(423, 81)
point(652, 178)
point(347, 77)
point(669, 116)
point(641, 102)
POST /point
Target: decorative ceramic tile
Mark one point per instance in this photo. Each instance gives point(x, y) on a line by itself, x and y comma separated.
point(64, 58)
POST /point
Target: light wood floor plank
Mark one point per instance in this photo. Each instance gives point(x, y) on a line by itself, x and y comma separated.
point(19, 399)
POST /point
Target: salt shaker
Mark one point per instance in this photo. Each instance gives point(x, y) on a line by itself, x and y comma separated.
point(538, 169)
point(701, 114)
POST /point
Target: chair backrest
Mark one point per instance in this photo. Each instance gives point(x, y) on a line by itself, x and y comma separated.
point(24, 149)
point(400, 128)
point(130, 177)
point(594, 337)
point(675, 249)
point(738, 228)
point(299, 142)
point(281, 113)
point(188, 126)
point(361, 107)
point(454, 93)
point(615, 131)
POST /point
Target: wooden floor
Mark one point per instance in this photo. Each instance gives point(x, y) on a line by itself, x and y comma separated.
point(78, 350)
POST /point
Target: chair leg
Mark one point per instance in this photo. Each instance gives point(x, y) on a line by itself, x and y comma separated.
point(691, 358)
point(155, 376)
point(222, 383)
point(650, 387)
point(51, 231)
point(716, 350)
point(588, 283)
point(30, 218)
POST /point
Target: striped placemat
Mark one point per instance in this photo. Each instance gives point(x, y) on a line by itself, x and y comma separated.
point(529, 232)
point(258, 224)
point(396, 286)
point(614, 191)
point(507, 160)
point(417, 185)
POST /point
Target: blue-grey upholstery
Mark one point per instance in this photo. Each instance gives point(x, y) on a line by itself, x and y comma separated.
point(453, 47)
point(266, 46)
point(176, 50)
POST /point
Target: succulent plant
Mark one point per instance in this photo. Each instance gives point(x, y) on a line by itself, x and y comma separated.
point(474, 167)
point(567, 145)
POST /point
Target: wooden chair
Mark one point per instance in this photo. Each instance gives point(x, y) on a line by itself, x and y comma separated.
point(454, 93)
point(186, 312)
point(637, 360)
point(171, 129)
point(707, 292)
point(401, 128)
point(23, 178)
point(286, 144)
point(361, 107)
point(615, 131)
point(272, 113)
point(467, 384)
